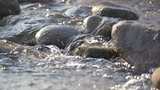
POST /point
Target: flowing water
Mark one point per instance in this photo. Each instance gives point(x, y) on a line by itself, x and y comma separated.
point(50, 68)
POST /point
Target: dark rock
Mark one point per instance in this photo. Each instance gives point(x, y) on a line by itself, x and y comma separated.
point(56, 34)
point(114, 11)
point(155, 78)
point(91, 23)
point(97, 25)
point(9, 7)
point(105, 27)
point(139, 45)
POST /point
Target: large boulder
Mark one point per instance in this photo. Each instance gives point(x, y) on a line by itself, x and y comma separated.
point(139, 45)
point(9, 7)
point(58, 35)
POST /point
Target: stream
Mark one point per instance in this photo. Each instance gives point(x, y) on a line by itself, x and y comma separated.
point(35, 67)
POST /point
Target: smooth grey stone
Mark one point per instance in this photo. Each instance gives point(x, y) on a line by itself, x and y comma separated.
point(81, 11)
point(58, 35)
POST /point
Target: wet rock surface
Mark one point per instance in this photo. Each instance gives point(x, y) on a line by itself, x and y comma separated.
point(26, 65)
point(78, 11)
point(25, 37)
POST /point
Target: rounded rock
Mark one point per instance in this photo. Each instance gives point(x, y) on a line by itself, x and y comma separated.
point(137, 43)
point(105, 27)
point(58, 35)
point(114, 12)
point(98, 25)
point(155, 78)
point(80, 11)
point(91, 23)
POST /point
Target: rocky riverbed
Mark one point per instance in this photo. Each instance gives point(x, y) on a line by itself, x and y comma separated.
point(79, 44)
